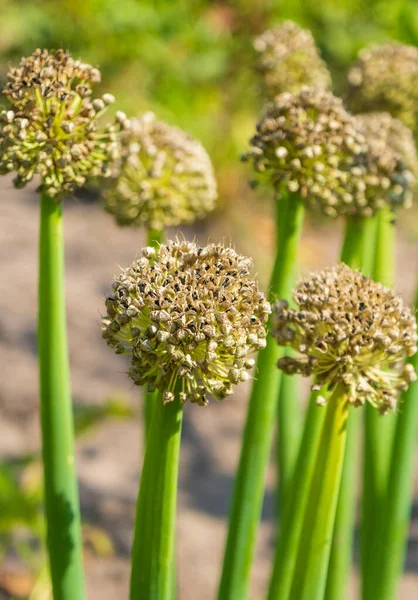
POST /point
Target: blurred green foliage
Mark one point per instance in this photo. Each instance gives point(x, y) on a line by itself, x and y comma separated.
point(191, 62)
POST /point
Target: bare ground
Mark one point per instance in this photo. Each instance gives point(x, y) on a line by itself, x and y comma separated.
point(109, 457)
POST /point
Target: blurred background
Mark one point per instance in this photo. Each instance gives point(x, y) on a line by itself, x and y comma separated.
point(192, 64)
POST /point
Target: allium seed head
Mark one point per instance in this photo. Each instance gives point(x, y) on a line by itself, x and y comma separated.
point(188, 314)
point(391, 162)
point(289, 59)
point(387, 137)
point(384, 78)
point(308, 143)
point(164, 177)
point(52, 128)
point(348, 329)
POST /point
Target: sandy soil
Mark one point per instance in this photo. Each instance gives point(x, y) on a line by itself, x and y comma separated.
point(109, 457)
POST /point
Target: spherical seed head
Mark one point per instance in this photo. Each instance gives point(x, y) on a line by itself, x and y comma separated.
point(289, 59)
point(309, 144)
point(390, 137)
point(52, 128)
point(164, 178)
point(350, 330)
point(384, 79)
point(391, 162)
point(187, 314)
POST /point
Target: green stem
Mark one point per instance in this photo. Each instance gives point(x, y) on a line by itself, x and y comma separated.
point(294, 507)
point(379, 431)
point(155, 237)
point(358, 252)
point(153, 545)
point(61, 494)
point(359, 242)
point(397, 505)
point(289, 421)
point(342, 541)
point(314, 548)
point(357, 231)
point(289, 434)
point(384, 259)
point(249, 485)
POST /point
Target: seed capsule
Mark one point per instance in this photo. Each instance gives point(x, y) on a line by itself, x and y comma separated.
point(186, 340)
point(163, 178)
point(384, 78)
point(360, 336)
point(307, 143)
point(56, 134)
point(288, 59)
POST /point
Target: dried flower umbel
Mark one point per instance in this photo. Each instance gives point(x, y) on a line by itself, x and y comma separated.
point(51, 129)
point(187, 313)
point(307, 143)
point(288, 59)
point(392, 143)
point(164, 177)
point(384, 79)
point(349, 329)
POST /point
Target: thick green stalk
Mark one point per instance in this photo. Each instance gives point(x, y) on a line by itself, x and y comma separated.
point(358, 252)
point(289, 416)
point(289, 433)
point(249, 485)
point(284, 562)
point(359, 242)
point(343, 533)
point(314, 547)
point(153, 545)
point(397, 506)
point(385, 258)
point(294, 507)
point(61, 494)
point(155, 237)
point(379, 431)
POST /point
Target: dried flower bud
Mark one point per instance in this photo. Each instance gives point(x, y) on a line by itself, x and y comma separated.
point(288, 59)
point(389, 136)
point(391, 157)
point(384, 79)
point(164, 177)
point(168, 310)
point(350, 330)
point(308, 143)
point(52, 129)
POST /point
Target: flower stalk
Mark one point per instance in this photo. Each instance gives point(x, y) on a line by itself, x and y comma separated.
point(358, 252)
point(61, 495)
point(352, 334)
point(249, 484)
point(293, 506)
point(289, 422)
point(51, 132)
point(153, 545)
point(154, 238)
point(289, 431)
point(189, 317)
point(357, 232)
point(397, 504)
point(379, 432)
point(315, 545)
point(342, 537)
